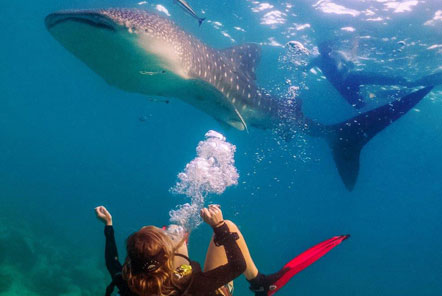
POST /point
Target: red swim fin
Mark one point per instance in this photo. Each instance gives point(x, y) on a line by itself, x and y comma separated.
point(305, 259)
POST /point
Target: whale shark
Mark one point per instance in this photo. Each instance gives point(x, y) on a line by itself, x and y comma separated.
point(141, 52)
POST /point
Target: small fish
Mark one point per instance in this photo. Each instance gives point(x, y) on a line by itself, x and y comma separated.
point(189, 10)
point(151, 73)
point(143, 118)
point(156, 100)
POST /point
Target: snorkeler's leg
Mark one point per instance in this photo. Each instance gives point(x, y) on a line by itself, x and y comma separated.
point(350, 87)
point(216, 256)
point(432, 79)
point(368, 78)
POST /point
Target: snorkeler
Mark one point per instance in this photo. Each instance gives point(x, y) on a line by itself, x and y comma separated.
point(347, 81)
point(157, 264)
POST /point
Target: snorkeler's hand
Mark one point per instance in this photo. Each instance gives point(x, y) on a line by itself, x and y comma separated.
point(103, 215)
point(212, 215)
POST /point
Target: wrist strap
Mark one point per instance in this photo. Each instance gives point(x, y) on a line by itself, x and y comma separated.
point(219, 224)
point(223, 234)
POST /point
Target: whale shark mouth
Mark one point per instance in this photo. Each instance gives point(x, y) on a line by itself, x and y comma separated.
point(97, 41)
point(110, 49)
point(93, 19)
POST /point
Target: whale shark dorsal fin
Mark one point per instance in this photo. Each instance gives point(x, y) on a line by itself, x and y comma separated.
point(245, 57)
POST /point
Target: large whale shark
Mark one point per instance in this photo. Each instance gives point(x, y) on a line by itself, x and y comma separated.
point(142, 52)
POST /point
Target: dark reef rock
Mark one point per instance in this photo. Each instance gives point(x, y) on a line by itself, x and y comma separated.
point(5, 282)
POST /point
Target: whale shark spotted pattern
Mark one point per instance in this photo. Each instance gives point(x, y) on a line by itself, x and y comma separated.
point(142, 52)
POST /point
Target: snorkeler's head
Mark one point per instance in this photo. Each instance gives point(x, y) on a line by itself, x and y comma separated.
point(149, 262)
point(325, 47)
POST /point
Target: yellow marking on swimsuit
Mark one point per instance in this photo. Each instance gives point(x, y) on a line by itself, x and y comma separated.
point(183, 270)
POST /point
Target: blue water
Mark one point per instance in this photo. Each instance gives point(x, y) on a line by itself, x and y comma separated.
point(70, 142)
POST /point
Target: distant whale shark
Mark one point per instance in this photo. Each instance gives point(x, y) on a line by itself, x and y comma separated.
point(141, 52)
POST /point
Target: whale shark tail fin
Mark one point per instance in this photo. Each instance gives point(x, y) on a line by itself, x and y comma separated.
point(346, 139)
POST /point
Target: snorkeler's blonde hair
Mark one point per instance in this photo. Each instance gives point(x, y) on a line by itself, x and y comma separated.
point(151, 242)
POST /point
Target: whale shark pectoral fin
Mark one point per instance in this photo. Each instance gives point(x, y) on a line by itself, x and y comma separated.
point(236, 124)
point(245, 56)
point(242, 120)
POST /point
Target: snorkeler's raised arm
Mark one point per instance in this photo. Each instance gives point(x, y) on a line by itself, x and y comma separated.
point(110, 251)
point(212, 215)
point(213, 279)
point(103, 215)
point(236, 264)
